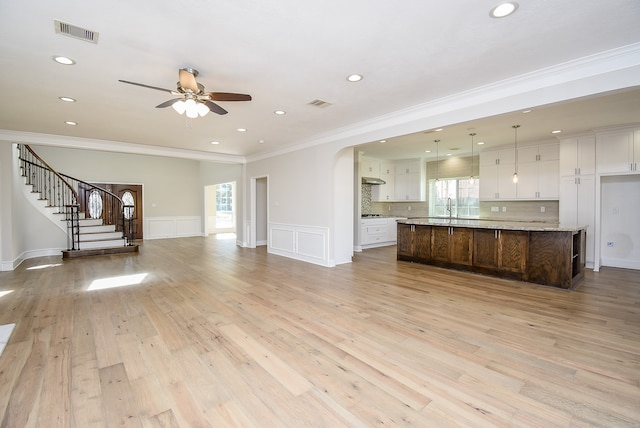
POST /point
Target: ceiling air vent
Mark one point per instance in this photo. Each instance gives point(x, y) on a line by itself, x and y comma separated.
point(319, 103)
point(75, 32)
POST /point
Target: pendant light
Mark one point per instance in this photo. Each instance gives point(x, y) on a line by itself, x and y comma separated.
point(515, 145)
point(437, 160)
point(472, 179)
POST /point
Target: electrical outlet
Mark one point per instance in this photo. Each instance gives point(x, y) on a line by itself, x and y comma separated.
point(409, 208)
point(495, 209)
point(504, 209)
point(610, 244)
point(542, 209)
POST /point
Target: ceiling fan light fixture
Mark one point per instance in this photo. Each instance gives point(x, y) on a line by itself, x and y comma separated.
point(191, 109)
point(202, 109)
point(179, 106)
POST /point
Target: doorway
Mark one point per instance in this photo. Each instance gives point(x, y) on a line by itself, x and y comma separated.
point(220, 206)
point(259, 212)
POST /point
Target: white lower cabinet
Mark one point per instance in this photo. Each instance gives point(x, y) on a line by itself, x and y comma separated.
point(378, 231)
point(374, 231)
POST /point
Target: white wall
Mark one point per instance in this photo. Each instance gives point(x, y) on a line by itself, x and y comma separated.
point(310, 200)
point(171, 186)
point(343, 196)
point(620, 210)
point(6, 181)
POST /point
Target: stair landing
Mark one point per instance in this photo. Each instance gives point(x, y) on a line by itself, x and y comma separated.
point(72, 254)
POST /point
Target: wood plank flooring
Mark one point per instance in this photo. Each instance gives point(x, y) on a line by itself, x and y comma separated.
point(221, 336)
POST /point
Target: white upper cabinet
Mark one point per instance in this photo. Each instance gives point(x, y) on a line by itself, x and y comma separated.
point(370, 167)
point(537, 167)
point(385, 192)
point(618, 151)
point(496, 170)
point(405, 180)
point(410, 180)
point(578, 156)
point(538, 172)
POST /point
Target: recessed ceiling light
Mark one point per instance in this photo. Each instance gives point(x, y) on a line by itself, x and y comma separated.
point(261, 141)
point(63, 60)
point(280, 112)
point(354, 77)
point(242, 129)
point(427, 151)
point(448, 154)
point(67, 99)
point(556, 131)
point(503, 9)
point(71, 122)
point(480, 143)
point(526, 111)
point(383, 141)
point(215, 142)
point(439, 129)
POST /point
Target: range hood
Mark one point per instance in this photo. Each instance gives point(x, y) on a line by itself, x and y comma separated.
point(372, 180)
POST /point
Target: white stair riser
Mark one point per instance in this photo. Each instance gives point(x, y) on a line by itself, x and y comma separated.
point(97, 229)
point(90, 222)
point(99, 236)
point(102, 244)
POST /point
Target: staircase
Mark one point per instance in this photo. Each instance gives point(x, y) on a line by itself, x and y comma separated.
point(110, 232)
point(96, 238)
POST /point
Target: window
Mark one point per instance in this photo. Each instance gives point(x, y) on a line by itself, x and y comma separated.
point(464, 196)
point(95, 204)
point(127, 199)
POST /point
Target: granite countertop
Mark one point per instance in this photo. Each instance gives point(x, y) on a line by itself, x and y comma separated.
point(494, 224)
point(365, 217)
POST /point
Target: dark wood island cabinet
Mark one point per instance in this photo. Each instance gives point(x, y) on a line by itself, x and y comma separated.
point(534, 252)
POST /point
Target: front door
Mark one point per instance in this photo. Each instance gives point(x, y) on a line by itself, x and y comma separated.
point(131, 194)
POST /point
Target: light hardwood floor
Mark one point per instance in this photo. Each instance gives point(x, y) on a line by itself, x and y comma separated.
point(217, 335)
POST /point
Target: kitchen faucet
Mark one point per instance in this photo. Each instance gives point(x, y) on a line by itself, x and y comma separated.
point(449, 207)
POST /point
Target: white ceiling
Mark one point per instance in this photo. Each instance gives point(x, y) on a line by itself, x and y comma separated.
point(287, 53)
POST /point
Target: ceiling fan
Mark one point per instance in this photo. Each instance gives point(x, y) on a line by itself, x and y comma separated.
point(193, 100)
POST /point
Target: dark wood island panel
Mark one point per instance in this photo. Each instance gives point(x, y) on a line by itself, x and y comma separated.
point(542, 254)
point(553, 256)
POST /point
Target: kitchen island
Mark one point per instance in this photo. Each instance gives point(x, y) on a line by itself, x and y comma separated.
point(542, 253)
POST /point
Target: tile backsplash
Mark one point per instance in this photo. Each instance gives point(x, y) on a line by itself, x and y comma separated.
point(507, 210)
point(365, 204)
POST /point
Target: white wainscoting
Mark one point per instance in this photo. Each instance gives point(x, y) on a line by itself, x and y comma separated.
point(172, 227)
point(307, 243)
point(32, 254)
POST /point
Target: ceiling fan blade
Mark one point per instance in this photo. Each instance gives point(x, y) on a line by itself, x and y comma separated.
point(228, 96)
point(188, 81)
point(146, 86)
point(168, 103)
point(214, 107)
